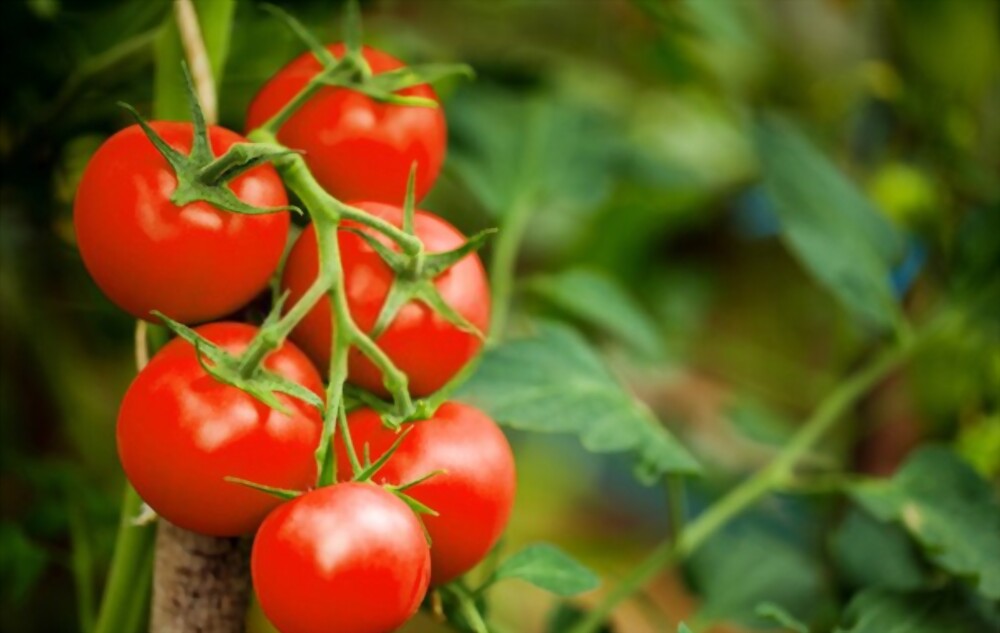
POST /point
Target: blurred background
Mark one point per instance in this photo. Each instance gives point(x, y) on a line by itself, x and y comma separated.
point(657, 130)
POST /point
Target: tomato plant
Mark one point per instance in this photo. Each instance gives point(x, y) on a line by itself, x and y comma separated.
point(357, 147)
point(193, 261)
point(181, 433)
point(473, 492)
point(422, 343)
point(349, 557)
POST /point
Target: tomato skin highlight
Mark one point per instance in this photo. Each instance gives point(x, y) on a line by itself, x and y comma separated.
point(422, 343)
point(356, 147)
point(350, 558)
point(473, 497)
point(181, 432)
point(193, 263)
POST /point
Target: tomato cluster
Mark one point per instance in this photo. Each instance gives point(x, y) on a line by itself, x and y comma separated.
point(202, 447)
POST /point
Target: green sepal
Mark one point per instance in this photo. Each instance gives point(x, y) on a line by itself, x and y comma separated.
point(436, 263)
point(200, 175)
point(418, 480)
point(397, 261)
point(428, 294)
point(322, 54)
point(175, 158)
point(240, 158)
point(224, 367)
point(416, 506)
point(405, 288)
point(281, 493)
point(409, 76)
point(369, 471)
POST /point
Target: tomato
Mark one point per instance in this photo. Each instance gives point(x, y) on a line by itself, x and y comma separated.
point(350, 558)
point(181, 432)
point(358, 148)
point(421, 342)
point(193, 263)
point(473, 497)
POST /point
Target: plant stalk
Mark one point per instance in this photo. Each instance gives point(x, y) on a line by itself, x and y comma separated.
point(764, 481)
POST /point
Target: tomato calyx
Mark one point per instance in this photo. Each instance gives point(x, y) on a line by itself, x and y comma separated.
point(259, 383)
point(352, 71)
point(415, 273)
point(201, 176)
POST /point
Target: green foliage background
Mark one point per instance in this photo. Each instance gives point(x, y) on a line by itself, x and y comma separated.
point(726, 206)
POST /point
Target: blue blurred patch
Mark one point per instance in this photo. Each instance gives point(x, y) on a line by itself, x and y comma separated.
point(753, 214)
point(906, 272)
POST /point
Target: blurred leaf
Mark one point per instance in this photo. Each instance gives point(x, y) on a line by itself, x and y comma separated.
point(565, 615)
point(939, 611)
point(529, 149)
point(833, 230)
point(749, 564)
point(683, 628)
point(979, 443)
point(952, 512)
point(215, 21)
point(555, 383)
point(601, 301)
point(783, 618)
point(22, 562)
point(860, 539)
point(755, 421)
point(549, 568)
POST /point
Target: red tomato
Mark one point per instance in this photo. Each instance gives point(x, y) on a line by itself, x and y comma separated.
point(181, 432)
point(424, 345)
point(358, 148)
point(193, 263)
point(473, 497)
point(350, 558)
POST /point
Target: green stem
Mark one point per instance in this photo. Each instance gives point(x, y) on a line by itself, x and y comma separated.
point(769, 478)
point(133, 554)
point(273, 336)
point(467, 607)
point(272, 125)
point(504, 261)
point(327, 213)
point(410, 244)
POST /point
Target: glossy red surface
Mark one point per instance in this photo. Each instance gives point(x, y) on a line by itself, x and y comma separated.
point(194, 262)
point(473, 497)
point(350, 558)
point(181, 432)
point(356, 147)
point(424, 345)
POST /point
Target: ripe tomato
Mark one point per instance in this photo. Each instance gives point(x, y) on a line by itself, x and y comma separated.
point(422, 343)
point(181, 432)
point(193, 263)
point(473, 497)
point(350, 558)
point(358, 148)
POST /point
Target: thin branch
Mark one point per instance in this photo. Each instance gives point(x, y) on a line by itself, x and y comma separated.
point(197, 56)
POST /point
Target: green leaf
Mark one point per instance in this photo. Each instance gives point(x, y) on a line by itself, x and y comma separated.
point(514, 149)
point(829, 225)
point(938, 611)
point(214, 19)
point(23, 562)
point(601, 301)
point(683, 628)
point(549, 568)
point(554, 382)
point(771, 611)
point(753, 562)
point(860, 539)
point(947, 508)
